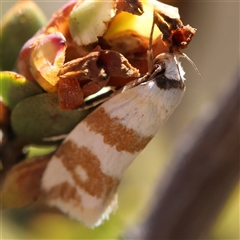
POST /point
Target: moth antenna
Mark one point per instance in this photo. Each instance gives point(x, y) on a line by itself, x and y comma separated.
point(150, 52)
point(192, 63)
point(177, 63)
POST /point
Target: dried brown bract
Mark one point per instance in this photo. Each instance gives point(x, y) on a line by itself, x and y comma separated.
point(131, 6)
point(84, 76)
point(174, 34)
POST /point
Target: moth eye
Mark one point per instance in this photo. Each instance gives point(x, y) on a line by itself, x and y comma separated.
point(160, 73)
point(159, 69)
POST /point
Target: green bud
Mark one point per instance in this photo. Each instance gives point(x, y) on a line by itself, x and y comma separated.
point(14, 88)
point(38, 119)
point(17, 26)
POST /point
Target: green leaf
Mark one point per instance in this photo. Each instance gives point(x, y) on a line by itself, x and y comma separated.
point(17, 26)
point(37, 119)
point(14, 88)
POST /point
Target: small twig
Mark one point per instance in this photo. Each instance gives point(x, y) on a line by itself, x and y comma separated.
point(150, 51)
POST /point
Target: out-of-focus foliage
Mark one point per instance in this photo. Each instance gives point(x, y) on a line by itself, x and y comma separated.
point(12, 37)
point(228, 223)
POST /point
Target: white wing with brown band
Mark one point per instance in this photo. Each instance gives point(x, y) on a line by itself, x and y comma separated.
point(82, 177)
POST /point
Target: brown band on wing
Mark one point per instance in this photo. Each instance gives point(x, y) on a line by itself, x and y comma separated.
point(65, 192)
point(96, 183)
point(115, 133)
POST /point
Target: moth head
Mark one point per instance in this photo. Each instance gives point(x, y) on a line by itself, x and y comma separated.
point(168, 66)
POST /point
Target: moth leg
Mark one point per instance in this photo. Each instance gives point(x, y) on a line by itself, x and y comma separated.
point(99, 99)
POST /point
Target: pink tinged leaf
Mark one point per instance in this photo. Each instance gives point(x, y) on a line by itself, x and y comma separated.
point(46, 60)
point(24, 58)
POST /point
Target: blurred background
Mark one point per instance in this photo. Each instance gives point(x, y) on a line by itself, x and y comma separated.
point(215, 51)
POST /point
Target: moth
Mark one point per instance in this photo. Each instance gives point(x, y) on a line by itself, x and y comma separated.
point(83, 175)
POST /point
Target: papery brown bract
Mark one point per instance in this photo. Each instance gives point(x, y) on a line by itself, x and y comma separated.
point(175, 35)
point(70, 93)
point(93, 73)
point(133, 6)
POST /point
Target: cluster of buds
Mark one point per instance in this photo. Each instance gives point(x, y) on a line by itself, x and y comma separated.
point(88, 45)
